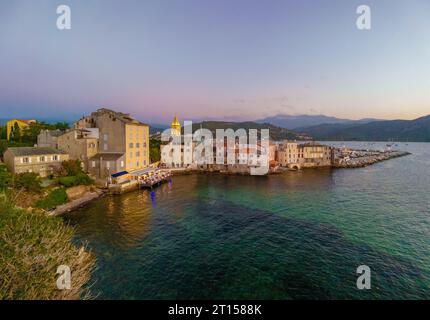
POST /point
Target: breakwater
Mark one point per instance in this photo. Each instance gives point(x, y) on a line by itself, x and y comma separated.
point(362, 158)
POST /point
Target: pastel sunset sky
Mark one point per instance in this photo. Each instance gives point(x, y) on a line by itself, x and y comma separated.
point(215, 59)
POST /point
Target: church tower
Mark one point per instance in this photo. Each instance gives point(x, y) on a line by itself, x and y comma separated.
point(176, 127)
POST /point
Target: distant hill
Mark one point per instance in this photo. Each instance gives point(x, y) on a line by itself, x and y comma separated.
point(276, 133)
point(155, 129)
point(299, 121)
point(397, 130)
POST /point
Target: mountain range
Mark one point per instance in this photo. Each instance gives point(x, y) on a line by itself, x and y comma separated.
point(276, 133)
point(417, 130)
point(300, 121)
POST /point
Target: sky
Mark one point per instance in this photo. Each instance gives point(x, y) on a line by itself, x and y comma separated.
point(215, 59)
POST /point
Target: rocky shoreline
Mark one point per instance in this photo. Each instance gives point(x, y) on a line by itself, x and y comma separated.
point(77, 203)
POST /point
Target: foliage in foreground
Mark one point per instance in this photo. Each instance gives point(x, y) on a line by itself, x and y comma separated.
point(5, 177)
point(32, 247)
point(55, 198)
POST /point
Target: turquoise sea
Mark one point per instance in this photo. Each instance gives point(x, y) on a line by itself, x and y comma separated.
point(296, 235)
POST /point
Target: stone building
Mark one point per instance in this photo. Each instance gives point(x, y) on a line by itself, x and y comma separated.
point(123, 143)
point(288, 153)
point(49, 138)
point(43, 161)
point(293, 155)
point(80, 144)
point(313, 154)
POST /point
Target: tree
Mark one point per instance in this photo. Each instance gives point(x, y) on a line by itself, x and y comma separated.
point(3, 147)
point(154, 150)
point(3, 132)
point(63, 126)
point(30, 181)
point(33, 130)
point(16, 133)
point(72, 167)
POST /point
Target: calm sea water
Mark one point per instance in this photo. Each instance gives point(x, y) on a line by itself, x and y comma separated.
point(295, 235)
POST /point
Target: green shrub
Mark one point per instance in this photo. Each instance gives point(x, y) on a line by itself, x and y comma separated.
point(30, 181)
point(55, 198)
point(79, 179)
point(67, 181)
point(5, 177)
point(32, 246)
point(84, 179)
point(72, 167)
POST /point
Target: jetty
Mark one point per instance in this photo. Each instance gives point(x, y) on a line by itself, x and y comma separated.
point(363, 158)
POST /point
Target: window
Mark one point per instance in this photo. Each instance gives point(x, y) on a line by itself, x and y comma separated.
point(137, 154)
point(105, 137)
point(93, 164)
point(107, 164)
point(42, 159)
point(144, 162)
point(144, 144)
point(131, 145)
point(25, 160)
point(55, 158)
point(131, 154)
point(122, 164)
point(137, 164)
point(105, 147)
point(137, 145)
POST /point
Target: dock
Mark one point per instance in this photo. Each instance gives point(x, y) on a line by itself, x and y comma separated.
point(155, 179)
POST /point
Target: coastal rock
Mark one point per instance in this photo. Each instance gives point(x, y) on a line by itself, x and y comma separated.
point(76, 192)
